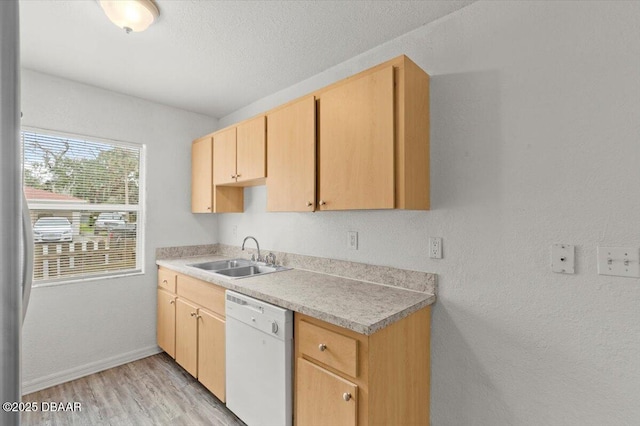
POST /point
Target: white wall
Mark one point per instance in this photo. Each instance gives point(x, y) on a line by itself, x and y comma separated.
point(535, 136)
point(77, 328)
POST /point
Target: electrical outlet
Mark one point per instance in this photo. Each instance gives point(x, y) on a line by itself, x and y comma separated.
point(435, 248)
point(352, 240)
point(235, 230)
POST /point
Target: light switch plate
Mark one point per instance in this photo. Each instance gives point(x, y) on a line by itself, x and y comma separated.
point(619, 261)
point(563, 258)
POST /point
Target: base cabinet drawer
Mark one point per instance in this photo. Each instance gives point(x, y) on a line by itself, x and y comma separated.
point(167, 279)
point(328, 398)
point(330, 348)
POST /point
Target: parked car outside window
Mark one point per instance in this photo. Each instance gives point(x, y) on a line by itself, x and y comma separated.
point(50, 229)
point(108, 221)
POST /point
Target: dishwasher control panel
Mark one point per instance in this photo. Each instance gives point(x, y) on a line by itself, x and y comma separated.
point(263, 316)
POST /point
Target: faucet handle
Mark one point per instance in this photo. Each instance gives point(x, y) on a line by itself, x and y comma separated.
point(270, 259)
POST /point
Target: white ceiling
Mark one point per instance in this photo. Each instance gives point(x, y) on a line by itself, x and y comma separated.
point(212, 57)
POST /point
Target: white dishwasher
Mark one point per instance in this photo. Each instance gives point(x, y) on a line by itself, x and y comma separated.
point(258, 361)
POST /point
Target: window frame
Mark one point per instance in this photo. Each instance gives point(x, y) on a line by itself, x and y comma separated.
point(140, 208)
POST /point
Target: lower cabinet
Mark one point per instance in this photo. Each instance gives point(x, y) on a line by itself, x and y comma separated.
point(211, 352)
point(167, 322)
point(194, 333)
point(324, 398)
point(347, 378)
point(187, 336)
point(341, 377)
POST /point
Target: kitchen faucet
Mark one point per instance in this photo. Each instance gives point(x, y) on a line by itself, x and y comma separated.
point(259, 259)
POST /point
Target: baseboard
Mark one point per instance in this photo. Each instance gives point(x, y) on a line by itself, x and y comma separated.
point(33, 385)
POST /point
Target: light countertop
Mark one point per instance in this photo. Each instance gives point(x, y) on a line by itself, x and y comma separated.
point(361, 306)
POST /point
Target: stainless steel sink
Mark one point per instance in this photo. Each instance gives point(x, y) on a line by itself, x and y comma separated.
point(222, 264)
point(246, 271)
point(237, 268)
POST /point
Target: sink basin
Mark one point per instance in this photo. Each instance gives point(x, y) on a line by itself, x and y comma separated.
point(237, 268)
point(222, 264)
point(246, 271)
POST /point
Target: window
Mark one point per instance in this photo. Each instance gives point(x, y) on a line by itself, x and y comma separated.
point(85, 200)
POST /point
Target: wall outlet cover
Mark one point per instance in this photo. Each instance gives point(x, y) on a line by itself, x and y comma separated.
point(435, 248)
point(563, 258)
point(352, 240)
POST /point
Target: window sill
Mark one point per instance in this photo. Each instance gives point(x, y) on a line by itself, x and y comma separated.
point(81, 280)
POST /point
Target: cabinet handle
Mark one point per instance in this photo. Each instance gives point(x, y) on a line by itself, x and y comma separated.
point(164, 281)
point(171, 302)
point(193, 314)
point(309, 203)
point(322, 347)
point(346, 396)
point(208, 208)
point(322, 202)
point(198, 317)
point(238, 175)
point(233, 176)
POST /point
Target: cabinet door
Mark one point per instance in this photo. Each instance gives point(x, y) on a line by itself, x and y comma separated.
point(324, 398)
point(224, 157)
point(211, 353)
point(356, 144)
point(291, 159)
point(251, 150)
point(202, 175)
point(167, 322)
point(187, 336)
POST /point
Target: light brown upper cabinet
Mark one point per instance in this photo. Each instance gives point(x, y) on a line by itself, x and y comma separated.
point(226, 199)
point(224, 157)
point(356, 144)
point(291, 160)
point(239, 154)
point(251, 165)
point(373, 139)
point(205, 196)
point(360, 143)
point(201, 175)
point(370, 133)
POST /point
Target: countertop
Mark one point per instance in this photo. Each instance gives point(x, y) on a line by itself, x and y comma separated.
point(361, 306)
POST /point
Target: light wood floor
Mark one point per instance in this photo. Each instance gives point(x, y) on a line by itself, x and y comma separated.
point(152, 391)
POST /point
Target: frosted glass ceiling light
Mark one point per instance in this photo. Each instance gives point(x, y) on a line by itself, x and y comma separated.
point(130, 15)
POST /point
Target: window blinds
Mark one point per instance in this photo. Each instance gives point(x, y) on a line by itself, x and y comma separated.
point(84, 199)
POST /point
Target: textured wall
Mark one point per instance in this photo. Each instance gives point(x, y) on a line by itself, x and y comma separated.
point(76, 328)
point(535, 140)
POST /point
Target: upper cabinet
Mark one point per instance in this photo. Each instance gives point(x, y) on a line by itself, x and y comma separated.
point(201, 175)
point(373, 140)
point(370, 133)
point(224, 157)
point(239, 159)
point(360, 143)
point(239, 154)
point(291, 159)
point(251, 147)
point(356, 144)
point(205, 196)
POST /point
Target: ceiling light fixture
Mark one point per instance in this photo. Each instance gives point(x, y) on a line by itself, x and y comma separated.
point(130, 15)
